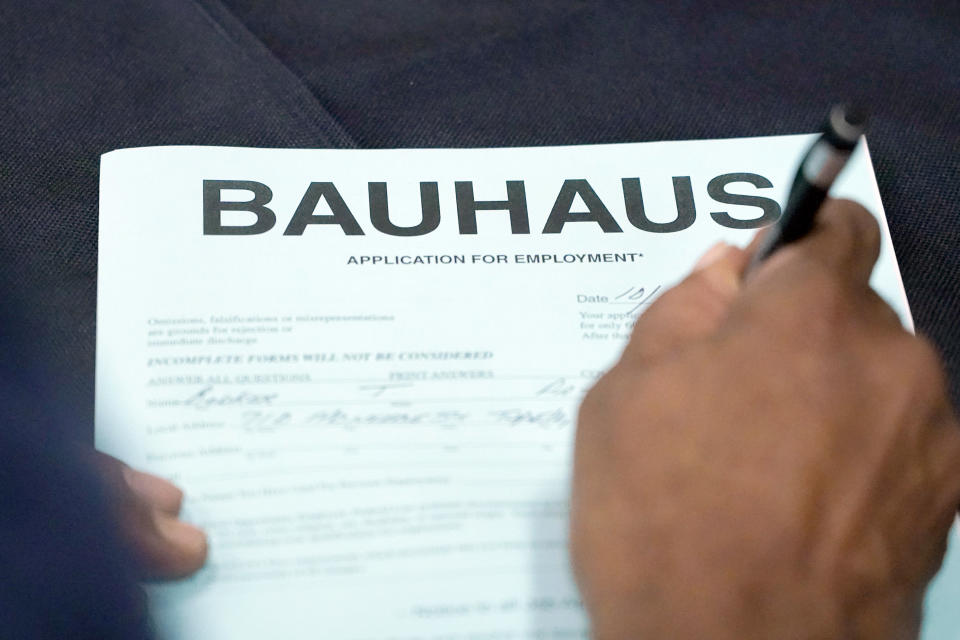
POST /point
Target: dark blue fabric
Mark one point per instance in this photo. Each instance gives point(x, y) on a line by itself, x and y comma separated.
point(80, 79)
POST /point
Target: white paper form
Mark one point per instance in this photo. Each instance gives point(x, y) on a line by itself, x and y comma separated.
point(366, 379)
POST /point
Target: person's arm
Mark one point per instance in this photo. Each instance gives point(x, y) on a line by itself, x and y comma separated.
point(72, 550)
point(772, 457)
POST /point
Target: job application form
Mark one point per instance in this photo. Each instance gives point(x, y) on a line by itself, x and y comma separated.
point(363, 367)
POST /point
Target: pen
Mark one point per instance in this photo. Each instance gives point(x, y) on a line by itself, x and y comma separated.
point(818, 169)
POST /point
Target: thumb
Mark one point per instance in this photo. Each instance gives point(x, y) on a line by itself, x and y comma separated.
point(691, 310)
point(146, 507)
point(166, 546)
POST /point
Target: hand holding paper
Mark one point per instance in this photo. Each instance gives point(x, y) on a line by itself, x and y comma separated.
point(146, 508)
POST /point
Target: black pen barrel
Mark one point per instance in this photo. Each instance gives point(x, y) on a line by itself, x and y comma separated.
point(819, 168)
point(800, 215)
